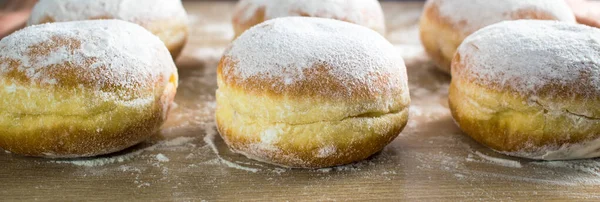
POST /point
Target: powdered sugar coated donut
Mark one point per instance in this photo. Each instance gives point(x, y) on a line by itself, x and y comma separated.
point(311, 92)
point(165, 18)
point(362, 12)
point(446, 23)
point(537, 59)
point(530, 89)
point(82, 88)
point(472, 15)
point(356, 55)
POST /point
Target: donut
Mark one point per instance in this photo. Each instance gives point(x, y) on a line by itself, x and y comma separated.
point(446, 23)
point(81, 89)
point(586, 12)
point(367, 13)
point(167, 19)
point(530, 89)
point(308, 92)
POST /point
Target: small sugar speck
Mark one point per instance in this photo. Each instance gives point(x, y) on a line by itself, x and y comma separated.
point(162, 158)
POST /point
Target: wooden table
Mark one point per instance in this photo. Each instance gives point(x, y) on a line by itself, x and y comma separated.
point(188, 161)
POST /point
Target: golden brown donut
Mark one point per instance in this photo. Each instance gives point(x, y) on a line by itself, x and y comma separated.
point(80, 89)
point(446, 23)
point(166, 19)
point(367, 13)
point(310, 93)
point(530, 89)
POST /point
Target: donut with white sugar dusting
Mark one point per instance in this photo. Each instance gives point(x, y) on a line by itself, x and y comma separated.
point(310, 92)
point(166, 19)
point(530, 89)
point(367, 13)
point(446, 23)
point(80, 89)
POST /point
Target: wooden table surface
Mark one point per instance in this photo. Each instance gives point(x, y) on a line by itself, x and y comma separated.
point(188, 161)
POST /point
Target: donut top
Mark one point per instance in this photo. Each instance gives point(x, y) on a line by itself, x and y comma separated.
point(314, 56)
point(110, 56)
point(129, 10)
point(533, 58)
point(471, 15)
point(363, 12)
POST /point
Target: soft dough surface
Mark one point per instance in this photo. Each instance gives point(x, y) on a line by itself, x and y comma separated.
point(311, 92)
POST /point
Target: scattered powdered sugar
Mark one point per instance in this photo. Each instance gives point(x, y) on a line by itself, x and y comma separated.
point(428, 104)
point(426, 112)
point(209, 139)
point(529, 55)
point(101, 161)
point(363, 12)
point(286, 48)
point(473, 166)
point(583, 150)
point(162, 158)
point(112, 159)
point(178, 141)
point(580, 172)
point(500, 161)
point(477, 14)
point(128, 10)
point(588, 166)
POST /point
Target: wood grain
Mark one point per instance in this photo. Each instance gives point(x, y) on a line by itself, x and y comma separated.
point(430, 161)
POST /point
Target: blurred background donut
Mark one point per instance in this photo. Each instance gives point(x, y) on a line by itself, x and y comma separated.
point(446, 23)
point(367, 13)
point(166, 19)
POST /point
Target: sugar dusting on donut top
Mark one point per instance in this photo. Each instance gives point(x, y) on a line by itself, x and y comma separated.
point(129, 10)
point(472, 15)
point(346, 10)
point(101, 55)
point(314, 56)
point(534, 57)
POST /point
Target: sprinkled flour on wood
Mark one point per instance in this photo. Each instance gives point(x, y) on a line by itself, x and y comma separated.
point(209, 139)
point(162, 158)
point(500, 161)
point(129, 155)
